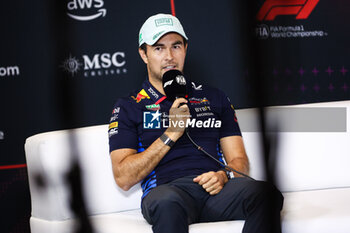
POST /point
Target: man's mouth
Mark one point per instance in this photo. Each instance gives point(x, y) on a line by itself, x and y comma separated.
point(170, 67)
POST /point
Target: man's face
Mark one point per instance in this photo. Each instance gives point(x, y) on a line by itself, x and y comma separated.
point(167, 53)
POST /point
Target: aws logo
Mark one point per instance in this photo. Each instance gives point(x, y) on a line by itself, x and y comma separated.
point(85, 10)
point(272, 8)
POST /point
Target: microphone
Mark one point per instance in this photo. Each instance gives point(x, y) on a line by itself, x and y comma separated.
point(174, 85)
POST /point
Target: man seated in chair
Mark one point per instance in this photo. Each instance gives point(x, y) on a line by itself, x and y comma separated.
point(182, 185)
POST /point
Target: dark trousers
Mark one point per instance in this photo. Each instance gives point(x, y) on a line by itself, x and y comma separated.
point(172, 207)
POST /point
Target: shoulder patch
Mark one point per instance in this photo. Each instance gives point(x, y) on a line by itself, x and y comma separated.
point(140, 96)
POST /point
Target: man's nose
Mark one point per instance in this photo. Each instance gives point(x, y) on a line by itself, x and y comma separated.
point(169, 54)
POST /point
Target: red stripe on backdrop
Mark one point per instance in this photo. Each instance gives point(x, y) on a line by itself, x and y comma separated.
point(172, 4)
point(12, 166)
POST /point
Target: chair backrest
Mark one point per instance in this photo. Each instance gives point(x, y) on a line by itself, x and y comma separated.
point(305, 161)
point(50, 156)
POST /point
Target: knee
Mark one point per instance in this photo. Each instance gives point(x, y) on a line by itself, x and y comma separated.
point(164, 199)
point(163, 204)
point(266, 192)
point(168, 200)
point(266, 188)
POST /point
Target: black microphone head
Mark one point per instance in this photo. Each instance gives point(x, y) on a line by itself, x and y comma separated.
point(174, 84)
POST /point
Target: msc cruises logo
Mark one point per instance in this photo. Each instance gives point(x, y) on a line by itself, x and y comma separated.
point(85, 10)
point(272, 8)
point(101, 64)
point(71, 65)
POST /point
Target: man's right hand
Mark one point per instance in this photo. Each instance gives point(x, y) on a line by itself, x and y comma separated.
point(179, 113)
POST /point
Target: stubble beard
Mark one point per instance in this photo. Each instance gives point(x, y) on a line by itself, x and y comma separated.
point(158, 77)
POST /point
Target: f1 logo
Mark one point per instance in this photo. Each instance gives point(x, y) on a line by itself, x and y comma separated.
point(272, 8)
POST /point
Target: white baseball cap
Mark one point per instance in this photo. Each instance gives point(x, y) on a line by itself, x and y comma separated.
point(158, 25)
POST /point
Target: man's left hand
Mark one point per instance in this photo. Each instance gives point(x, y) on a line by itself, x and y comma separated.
point(212, 182)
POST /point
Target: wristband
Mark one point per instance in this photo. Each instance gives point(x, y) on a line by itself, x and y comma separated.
point(167, 141)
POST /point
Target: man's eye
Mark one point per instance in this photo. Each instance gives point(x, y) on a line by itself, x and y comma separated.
point(157, 48)
point(176, 46)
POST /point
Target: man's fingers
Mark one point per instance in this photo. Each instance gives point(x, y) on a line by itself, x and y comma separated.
point(184, 108)
point(212, 187)
point(204, 179)
point(210, 182)
point(216, 191)
point(197, 179)
point(179, 101)
point(180, 107)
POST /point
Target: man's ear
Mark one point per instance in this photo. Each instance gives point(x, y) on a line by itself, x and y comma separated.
point(143, 55)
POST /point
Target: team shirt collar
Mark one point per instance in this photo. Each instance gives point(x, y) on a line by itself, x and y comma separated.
point(152, 91)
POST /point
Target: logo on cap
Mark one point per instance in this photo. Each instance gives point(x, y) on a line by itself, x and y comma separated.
point(158, 34)
point(163, 22)
point(140, 38)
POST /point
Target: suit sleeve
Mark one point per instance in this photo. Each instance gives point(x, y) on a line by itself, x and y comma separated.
point(229, 120)
point(122, 129)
